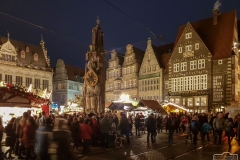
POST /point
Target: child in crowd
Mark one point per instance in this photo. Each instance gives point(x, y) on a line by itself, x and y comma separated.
point(206, 128)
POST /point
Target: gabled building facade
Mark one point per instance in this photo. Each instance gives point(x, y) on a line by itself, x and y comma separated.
point(114, 76)
point(25, 64)
point(126, 82)
point(67, 82)
point(150, 79)
point(203, 70)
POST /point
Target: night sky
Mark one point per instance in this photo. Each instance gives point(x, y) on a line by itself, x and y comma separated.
point(66, 25)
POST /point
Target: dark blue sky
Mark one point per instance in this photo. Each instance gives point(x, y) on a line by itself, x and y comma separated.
point(75, 19)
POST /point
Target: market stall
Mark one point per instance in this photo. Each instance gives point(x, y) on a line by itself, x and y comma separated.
point(15, 99)
point(152, 105)
point(172, 107)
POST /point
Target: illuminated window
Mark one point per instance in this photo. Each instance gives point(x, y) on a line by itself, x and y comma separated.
point(35, 57)
point(22, 54)
point(28, 81)
point(19, 80)
point(201, 63)
point(37, 83)
point(8, 79)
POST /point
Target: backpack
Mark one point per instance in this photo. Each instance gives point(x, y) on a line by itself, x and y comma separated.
point(193, 126)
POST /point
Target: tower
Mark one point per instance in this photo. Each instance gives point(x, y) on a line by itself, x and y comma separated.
point(94, 78)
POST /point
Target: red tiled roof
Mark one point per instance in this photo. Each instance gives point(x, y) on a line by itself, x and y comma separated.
point(72, 71)
point(218, 38)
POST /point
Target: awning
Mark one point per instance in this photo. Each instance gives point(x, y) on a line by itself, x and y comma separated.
point(120, 106)
point(175, 105)
point(152, 104)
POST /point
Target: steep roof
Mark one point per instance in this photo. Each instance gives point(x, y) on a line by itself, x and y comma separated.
point(163, 54)
point(29, 59)
point(218, 38)
point(73, 71)
point(139, 54)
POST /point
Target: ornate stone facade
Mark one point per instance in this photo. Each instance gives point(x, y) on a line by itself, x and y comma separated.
point(150, 80)
point(94, 79)
point(67, 82)
point(124, 80)
point(25, 64)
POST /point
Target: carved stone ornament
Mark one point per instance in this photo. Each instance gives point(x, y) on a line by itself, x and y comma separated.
point(91, 78)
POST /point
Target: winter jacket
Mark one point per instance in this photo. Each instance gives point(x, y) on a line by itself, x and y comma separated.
point(228, 127)
point(171, 123)
point(137, 121)
point(21, 126)
point(218, 124)
point(28, 135)
point(1, 133)
point(151, 124)
point(42, 140)
point(105, 125)
point(86, 131)
point(124, 126)
point(206, 128)
point(159, 121)
point(74, 128)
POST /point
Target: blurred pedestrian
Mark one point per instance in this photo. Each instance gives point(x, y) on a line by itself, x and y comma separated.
point(151, 128)
point(1, 136)
point(105, 128)
point(124, 127)
point(10, 139)
point(218, 125)
point(74, 128)
point(86, 134)
point(137, 122)
point(228, 128)
point(171, 126)
point(194, 128)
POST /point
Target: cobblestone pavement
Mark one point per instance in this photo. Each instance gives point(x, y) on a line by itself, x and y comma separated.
point(180, 150)
point(140, 150)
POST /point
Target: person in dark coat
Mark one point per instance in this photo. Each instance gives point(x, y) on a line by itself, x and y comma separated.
point(115, 120)
point(228, 128)
point(124, 127)
point(42, 140)
point(194, 127)
point(105, 128)
point(10, 139)
point(74, 128)
point(28, 137)
point(137, 123)
point(151, 128)
point(159, 123)
point(171, 126)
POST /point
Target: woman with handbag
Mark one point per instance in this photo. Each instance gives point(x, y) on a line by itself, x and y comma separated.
point(10, 139)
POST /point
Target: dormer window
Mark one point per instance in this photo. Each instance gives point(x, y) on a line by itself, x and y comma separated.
point(22, 54)
point(188, 35)
point(27, 49)
point(35, 57)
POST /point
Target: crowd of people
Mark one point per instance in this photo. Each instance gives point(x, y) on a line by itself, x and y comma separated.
point(41, 137)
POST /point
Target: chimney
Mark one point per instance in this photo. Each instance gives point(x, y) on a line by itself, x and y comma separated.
point(215, 16)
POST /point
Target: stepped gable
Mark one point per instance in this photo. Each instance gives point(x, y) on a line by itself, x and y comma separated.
point(29, 56)
point(73, 71)
point(218, 38)
point(139, 54)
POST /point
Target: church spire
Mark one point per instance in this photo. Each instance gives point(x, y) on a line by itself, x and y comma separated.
point(8, 35)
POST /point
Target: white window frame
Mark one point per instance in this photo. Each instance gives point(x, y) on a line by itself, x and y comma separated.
point(184, 66)
point(196, 46)
point(188, 35)
point(193, 65)
point(179, 49)
point(201, 63)
point(188, 48)
point(176, 67)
